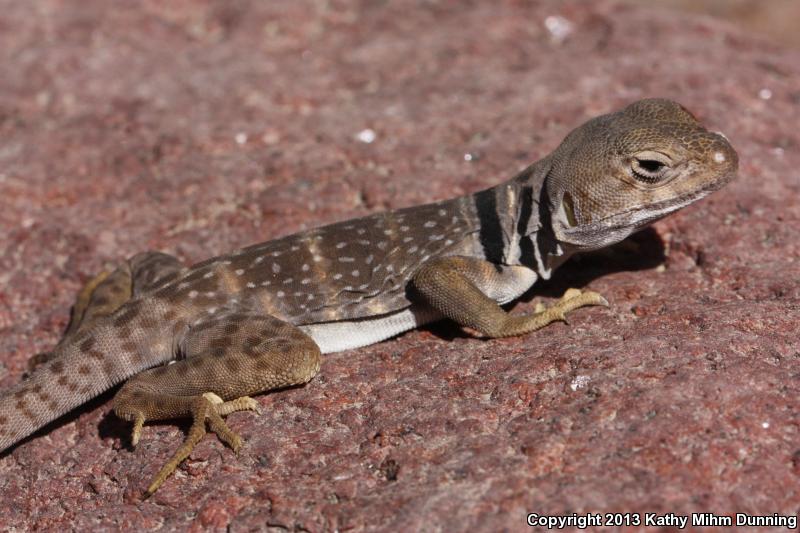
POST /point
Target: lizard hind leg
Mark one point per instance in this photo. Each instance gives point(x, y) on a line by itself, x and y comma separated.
point(228, 358)
point(101, 296)
point(108, 290)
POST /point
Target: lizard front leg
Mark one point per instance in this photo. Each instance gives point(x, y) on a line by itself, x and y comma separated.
point(228, 358)
point(451, 286)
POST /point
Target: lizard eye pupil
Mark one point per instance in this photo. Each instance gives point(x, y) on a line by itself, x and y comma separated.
point(650, 165)
point(648, 170)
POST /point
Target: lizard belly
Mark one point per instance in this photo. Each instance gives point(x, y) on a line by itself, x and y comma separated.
point(347, 334)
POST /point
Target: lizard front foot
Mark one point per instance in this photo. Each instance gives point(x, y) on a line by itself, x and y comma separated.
point(571, 300)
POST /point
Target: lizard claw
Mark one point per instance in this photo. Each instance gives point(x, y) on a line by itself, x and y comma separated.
point(136, 432)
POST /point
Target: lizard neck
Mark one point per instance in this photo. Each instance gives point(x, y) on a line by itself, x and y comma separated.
point(515, 222)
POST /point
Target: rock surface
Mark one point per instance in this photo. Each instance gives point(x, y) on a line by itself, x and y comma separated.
point(196, 127)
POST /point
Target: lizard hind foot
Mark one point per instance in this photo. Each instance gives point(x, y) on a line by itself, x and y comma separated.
point(204, 409)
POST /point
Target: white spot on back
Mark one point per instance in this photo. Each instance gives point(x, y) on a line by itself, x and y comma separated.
point(251, 285)
point(208, 275)
point(340, 245)
point(305, 281)
point(304, 268)
point(192, 294)
point(239, 271)
point(280, 294)
point(408, 239)
point(429, 224)
point(346, 259)
point(337, 276)
point(355, 273)
point(276, 267)
point(719, 157)
point(403, 228)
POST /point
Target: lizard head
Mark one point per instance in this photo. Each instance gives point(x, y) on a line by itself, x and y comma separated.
point(619, 172)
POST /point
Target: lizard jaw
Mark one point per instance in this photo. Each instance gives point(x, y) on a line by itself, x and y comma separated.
point(614, 228)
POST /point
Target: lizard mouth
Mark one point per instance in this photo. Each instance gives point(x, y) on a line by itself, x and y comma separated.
point(592, 234)
point(642, 216)
point(638, 216)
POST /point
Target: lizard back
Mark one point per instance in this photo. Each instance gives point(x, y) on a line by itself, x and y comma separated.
point(347, 270)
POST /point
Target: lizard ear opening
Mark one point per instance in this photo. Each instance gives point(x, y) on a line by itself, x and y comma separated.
point(569, 210)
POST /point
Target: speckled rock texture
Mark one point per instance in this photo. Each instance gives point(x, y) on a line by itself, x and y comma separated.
point(196, 127)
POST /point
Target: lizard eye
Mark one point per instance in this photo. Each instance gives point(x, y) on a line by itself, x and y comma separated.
point(649, 169)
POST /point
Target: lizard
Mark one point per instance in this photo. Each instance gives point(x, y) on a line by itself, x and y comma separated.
point(200, 341)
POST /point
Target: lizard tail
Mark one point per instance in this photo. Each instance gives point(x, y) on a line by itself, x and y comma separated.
point(78, 371)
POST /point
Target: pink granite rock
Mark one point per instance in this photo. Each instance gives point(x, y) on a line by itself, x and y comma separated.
point(196, 127)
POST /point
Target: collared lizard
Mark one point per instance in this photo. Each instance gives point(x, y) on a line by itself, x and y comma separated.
point(198, 341)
